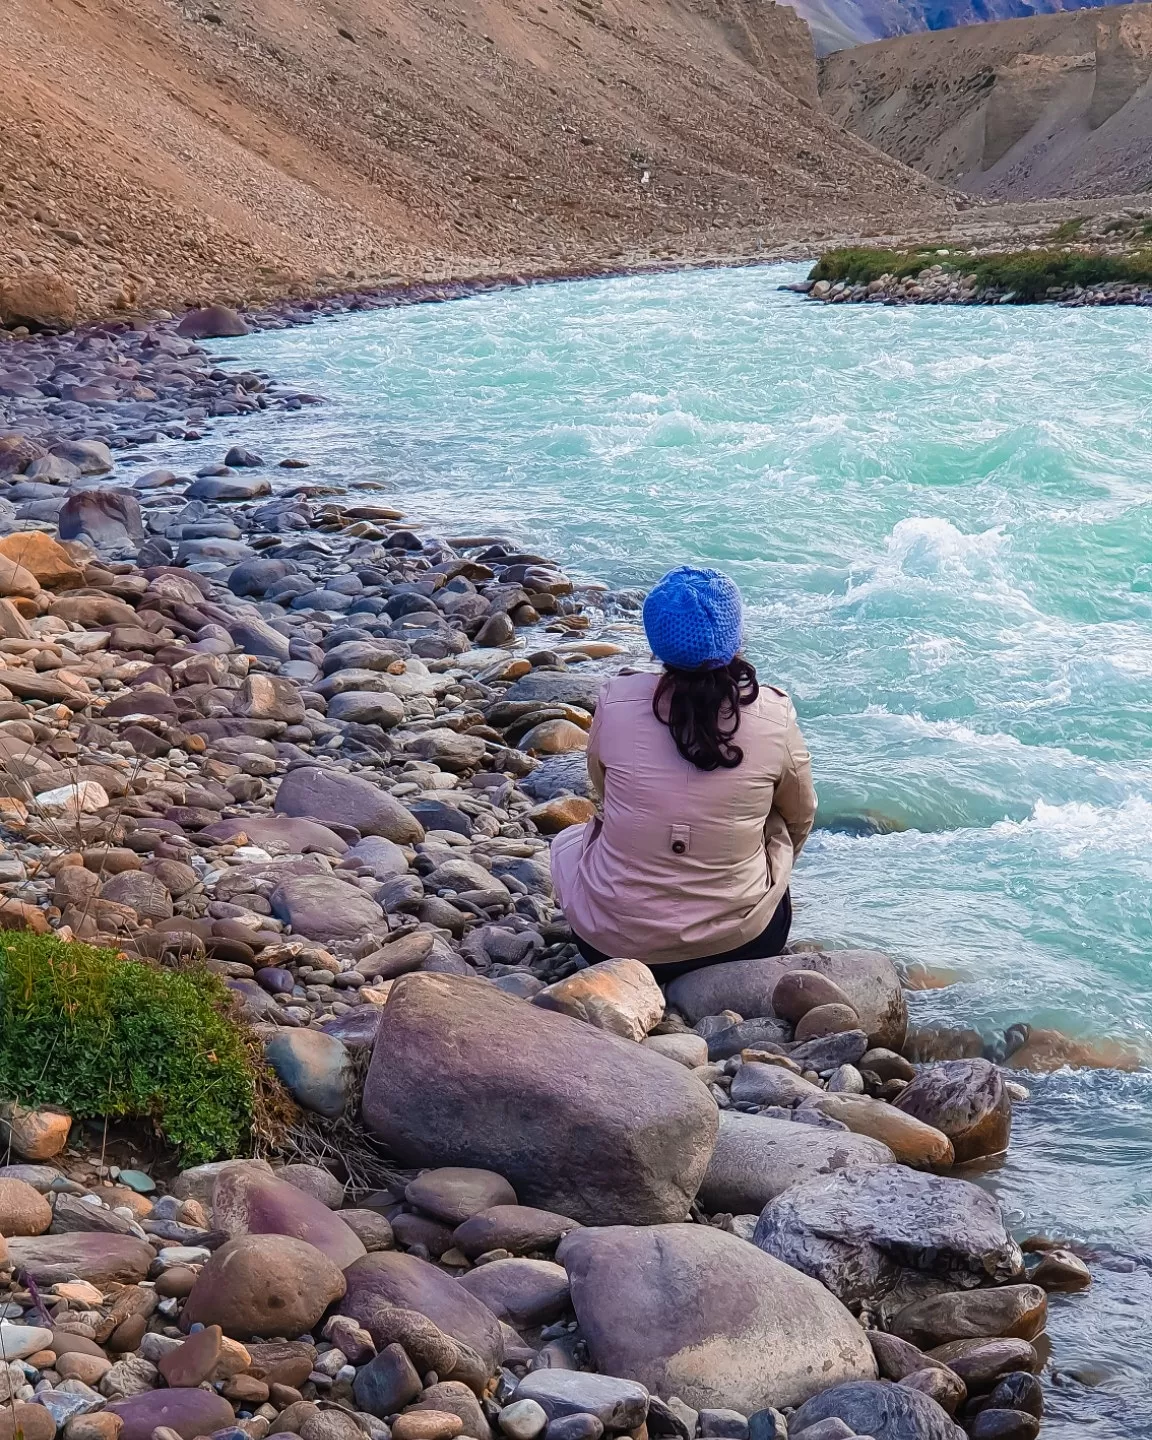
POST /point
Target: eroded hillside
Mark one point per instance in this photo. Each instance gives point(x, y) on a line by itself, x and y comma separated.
point(181, 149)
point(1056, 105)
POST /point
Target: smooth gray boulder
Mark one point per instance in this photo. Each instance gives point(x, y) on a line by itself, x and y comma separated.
point(617, 1404)
point(578, 1121)
point(325, 908)
point(880, 1409)
point(867, 977)
point(865, 1232)
point(694, 1312)
point(757, 1158)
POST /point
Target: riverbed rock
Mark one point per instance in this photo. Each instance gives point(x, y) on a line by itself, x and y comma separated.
point(694, 1312)
point(325, 908)
point(264, 1285)
point(213, 322)
point(868, 980)
point(1020, 1311)
point(617, 1404)
point(186, 1411)
point(519, 1229)
point(620, 996)
point(880, 1410)
point(38, 298)
point(765, 1084)
point(910, 1140)
point(316, 1068)
point(107, 519)
point(97, 1256)
point(578, 1121)
point(23, 1210)
point(42, 557)
point(523, 1292)
point(757, 1158)
point(245, 1202)
point(967, 1101)
point(388, 1281)
point(453, 1193)
point(1061, 1271)
point(327, 795)
point(387, 1383)
point(859, 1231)
point(981, 1363)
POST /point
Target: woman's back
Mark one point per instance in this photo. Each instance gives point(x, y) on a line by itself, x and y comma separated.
point(686, 862)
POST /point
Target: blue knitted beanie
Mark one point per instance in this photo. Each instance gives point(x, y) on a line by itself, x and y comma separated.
point(694, 619)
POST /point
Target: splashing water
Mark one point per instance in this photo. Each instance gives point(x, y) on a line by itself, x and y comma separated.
point(942, 523)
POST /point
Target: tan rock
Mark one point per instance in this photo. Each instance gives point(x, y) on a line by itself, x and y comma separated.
point(103, 1425)
point(1060, 1271)
point(946, 1388)
point(554, 737)
point(831, 1019)
point(42, 300)
point(33, 1134)
point(42, 557)
point(565, 810)
point(1016, 1311)
point(23, 1210)
point(427, 1425)
point(15, 580)
point(31, 1422)
point(90, 1369)
point(910, 1140)
point(620, 996)
point(799, 991)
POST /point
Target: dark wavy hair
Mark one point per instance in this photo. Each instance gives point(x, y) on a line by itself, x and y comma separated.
point(702, 710)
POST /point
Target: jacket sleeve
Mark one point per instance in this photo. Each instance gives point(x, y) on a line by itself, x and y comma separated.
point(795, 799)
point(595, 766)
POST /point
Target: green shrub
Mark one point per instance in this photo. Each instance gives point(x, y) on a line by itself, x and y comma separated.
point(1069, 229)
point(1027, 274)
point(100, 1035)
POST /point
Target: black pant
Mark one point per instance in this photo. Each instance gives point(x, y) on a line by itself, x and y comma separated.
point(770, 941)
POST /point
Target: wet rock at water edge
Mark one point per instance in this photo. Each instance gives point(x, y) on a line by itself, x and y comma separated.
point(863, 1232)
point(1018, 1311)
point(967, 1100)
point(613, 1132)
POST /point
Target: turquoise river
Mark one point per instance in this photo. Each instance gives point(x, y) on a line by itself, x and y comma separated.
point(942, 523)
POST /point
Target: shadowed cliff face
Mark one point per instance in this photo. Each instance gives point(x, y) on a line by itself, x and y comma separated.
point(1052, 106)
point(837, 24)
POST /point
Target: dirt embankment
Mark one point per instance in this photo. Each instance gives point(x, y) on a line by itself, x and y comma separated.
point(1056, 105)
point(174, 150)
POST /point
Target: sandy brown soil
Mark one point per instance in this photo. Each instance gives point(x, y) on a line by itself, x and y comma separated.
point(167, 151)
point(1057, 105)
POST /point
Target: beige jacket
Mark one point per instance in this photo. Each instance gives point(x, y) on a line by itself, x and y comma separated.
point(685, 863)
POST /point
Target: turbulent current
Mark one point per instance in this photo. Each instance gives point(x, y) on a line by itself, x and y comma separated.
point(942, 523)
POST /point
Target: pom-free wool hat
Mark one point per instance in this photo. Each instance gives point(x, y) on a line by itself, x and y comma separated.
point(694, 619)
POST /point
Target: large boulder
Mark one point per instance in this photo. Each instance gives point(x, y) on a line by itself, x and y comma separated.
point(245, 1202)
point(327, 795)
point(103, 1259)
point(695, 1312)
point(186, 1411)
point(965, 1099)
point(757, 1158)
point(213, 322)
point(42, 557)
point(263, 1285)
point(386, 1281)
point(868, 978)
point(863, 1232)
point(577, 1121)
point(108, 519)
point(39, 299)
point(881, 1410)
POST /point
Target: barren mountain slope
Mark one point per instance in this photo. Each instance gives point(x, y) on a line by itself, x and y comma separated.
point(1057, 105)
point(225, 148)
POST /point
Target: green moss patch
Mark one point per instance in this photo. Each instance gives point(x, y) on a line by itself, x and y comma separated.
point(100, 1035)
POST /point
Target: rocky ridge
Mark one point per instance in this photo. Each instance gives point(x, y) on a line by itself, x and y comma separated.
point(288, 735)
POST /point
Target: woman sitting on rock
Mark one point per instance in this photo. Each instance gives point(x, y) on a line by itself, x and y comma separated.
point(708, 797)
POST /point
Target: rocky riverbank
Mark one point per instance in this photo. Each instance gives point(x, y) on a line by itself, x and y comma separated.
point(283, 734)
